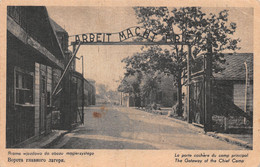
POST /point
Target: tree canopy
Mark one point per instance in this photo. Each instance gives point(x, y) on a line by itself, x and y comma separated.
point(195, 24)
point(203, 30)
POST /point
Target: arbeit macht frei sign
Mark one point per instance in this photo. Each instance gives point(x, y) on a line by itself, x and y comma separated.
point(139, 33)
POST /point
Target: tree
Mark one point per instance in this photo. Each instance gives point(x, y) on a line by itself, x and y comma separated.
point(150, 85)
point(130, 84)
point(192, 23)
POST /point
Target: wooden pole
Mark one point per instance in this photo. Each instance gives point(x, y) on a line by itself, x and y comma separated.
point(66, 69)
point(208, 110)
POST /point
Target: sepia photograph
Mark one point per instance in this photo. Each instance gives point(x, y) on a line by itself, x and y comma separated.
point(133, 77)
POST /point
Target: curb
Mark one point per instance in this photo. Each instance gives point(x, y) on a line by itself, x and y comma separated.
point(62, 133)
point(219, 136)
point(43, 141)
point(230, 139)
point(47, 145)
point(191, 126)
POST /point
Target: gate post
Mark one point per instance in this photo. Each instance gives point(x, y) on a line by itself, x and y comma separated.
point(83, 94)
point(189, 112)
point(208, 93)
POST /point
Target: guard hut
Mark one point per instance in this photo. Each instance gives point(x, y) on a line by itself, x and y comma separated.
point(33, 51)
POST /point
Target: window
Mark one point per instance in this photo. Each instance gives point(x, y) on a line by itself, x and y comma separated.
point(23, 88)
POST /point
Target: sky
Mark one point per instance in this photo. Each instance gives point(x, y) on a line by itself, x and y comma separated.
point(103, 63)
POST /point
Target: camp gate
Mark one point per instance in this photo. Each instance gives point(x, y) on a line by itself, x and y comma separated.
point(198, 102)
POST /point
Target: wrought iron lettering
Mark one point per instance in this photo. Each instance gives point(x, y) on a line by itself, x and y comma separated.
point(141, 33)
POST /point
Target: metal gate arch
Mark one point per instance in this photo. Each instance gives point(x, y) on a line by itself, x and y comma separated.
point(198, 104)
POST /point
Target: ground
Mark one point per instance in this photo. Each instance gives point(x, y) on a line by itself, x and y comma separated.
point(115, 127)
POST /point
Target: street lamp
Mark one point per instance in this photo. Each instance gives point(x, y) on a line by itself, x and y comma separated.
point(83, 98)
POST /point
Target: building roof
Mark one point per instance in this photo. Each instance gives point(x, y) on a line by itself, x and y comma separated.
point(234, 67)
point(33, 23)
point(57, 27)
point(91, 81)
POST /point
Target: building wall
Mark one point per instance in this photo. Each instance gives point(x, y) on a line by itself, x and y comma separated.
point(37, 98)
point(230, 103)
point(31, 50)
point(239, 96)
point(19, 97)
